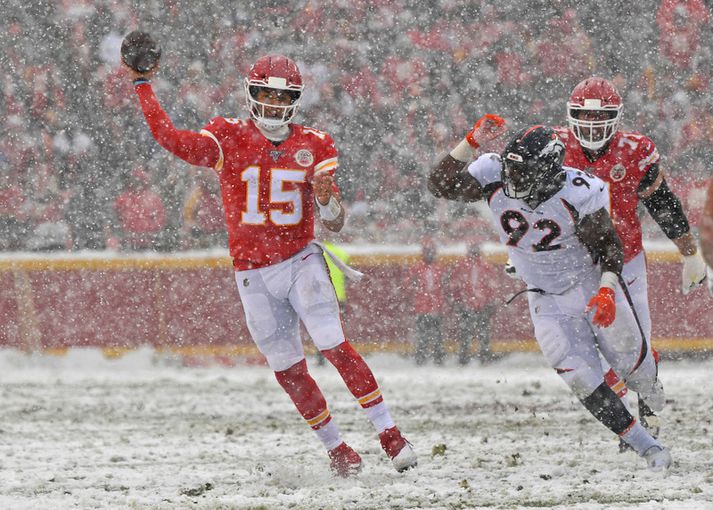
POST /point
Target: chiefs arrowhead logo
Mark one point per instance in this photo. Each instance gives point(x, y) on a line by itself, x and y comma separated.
point(617, 173)
point(304, 158)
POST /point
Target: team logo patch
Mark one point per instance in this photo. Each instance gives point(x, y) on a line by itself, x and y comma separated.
point(618, 172)
point(304, 157)
point(275, 155)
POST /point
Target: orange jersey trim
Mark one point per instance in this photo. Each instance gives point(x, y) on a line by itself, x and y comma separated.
point(219, 165)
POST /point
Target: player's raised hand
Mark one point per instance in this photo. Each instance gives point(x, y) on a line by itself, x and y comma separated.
point(694, 272)
point(323, 185)
point(487, 128)
point(604, 307)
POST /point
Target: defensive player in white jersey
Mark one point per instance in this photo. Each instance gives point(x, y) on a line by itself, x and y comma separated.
point(555, 223)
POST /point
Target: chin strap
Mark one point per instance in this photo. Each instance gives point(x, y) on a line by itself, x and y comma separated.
point(277, 134)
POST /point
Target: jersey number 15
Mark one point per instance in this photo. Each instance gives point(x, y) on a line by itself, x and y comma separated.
point(252, 214)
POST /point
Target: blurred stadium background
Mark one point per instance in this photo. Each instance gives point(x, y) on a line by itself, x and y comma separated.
point(394, 82)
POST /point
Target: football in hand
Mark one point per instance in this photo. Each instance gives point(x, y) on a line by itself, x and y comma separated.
point(140, 51)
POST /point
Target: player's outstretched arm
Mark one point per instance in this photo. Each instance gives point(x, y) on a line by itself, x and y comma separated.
point(140, 57)
point(666, 210)
point(597, 233)
point(192, 147)
point(449, 179)
point(331, 210)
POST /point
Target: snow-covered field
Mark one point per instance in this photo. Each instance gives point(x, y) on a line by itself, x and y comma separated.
point(85, 432)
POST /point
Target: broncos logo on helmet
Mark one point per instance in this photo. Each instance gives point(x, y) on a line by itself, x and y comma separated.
point(532, 164)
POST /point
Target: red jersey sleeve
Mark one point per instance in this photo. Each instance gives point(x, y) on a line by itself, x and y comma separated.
point(220, 129)
point(194, 148)
point(646, 155)
point(327, 156)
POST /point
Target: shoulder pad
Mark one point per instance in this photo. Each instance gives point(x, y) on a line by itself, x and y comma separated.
point(586, 192)
point(322, 135)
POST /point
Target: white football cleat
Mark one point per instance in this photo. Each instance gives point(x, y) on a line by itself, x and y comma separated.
point(405, 459)
point(398, 449)
point(654, 396)
point(658, 458)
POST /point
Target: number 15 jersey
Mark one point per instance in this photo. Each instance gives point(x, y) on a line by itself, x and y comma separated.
point(267, 188)
point(542, 242)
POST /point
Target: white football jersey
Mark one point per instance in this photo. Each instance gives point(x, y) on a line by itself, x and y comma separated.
point(541, 242)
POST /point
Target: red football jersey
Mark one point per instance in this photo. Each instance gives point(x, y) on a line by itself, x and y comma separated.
point(267, 188)
point(267, 192)
point(624, 164)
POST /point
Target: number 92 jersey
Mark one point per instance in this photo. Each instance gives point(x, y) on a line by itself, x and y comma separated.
point(542, 242)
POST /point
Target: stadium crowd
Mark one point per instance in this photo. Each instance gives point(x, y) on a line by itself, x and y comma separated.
point(395, 82)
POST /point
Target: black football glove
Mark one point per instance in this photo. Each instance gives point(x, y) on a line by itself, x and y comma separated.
point(140, 51)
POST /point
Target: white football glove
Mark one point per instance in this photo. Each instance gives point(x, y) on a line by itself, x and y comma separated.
point(694, 272)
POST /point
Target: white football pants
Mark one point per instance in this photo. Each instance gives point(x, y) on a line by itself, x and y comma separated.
point(634, 275)
point(275, 298)
point(572, 344)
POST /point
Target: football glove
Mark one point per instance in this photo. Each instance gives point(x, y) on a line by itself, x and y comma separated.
point(487, 128)
point(140, 51)
point(694, 272)
point(604, 307)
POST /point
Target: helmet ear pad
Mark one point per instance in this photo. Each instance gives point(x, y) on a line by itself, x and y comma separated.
point(532, 162)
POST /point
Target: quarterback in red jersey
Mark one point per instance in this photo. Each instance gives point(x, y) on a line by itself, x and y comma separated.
point(274, 175)
point(629, 163)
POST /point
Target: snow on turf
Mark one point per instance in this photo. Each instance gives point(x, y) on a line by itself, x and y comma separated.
point(82, 431)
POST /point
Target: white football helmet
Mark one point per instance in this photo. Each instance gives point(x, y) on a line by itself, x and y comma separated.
point(597, 95)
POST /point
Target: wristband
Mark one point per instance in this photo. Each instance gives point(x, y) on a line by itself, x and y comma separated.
point(463, 151)
point(329, 212)
point(609, 280)
point(471, 141)
point(140, 81)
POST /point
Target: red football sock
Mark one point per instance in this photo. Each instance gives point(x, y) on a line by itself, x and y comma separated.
point(356, 374)
point(305, 393)
point(616, 384)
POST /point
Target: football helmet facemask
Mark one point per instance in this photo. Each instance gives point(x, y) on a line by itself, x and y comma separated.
point(532, 164)
point(598, 96)
point(273, 72)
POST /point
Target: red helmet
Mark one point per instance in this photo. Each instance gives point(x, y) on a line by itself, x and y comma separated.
point(273, 72)
point(594, 95)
